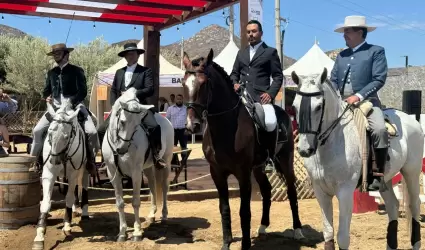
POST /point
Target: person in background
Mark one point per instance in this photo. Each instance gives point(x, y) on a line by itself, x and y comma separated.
point(7, 104)
point(172, 99)
point(4, 140)
point(163, 104)
point(177, 114)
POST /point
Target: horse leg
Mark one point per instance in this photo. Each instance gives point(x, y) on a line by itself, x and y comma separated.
point(220, 181)
point(266, 193)
point(137, 183)
point(85, 197)
point(117, 183)
point(245, 189)
point(325, 202)
point(411, 178)
point(287, 166)
point(345, 201)
point(76, 202)
point(164, 186)
point(391, 206)
point(150, 174)
point(48, 182)
point(69, 200)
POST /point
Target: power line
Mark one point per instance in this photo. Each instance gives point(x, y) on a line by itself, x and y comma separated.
point(361, 13)
point(389, 17)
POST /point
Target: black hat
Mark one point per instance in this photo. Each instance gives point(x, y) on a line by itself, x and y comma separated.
point(130, 47)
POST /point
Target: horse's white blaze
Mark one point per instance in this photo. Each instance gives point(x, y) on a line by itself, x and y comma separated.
point(131, 160)
point(335, 168)
point(190, 83)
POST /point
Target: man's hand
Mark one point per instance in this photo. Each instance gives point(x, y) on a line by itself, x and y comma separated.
point(236, 86)
point(49, 99)
point(265, 98)
point(352, 99)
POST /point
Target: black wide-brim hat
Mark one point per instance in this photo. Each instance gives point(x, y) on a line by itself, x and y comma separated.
point(130, 47)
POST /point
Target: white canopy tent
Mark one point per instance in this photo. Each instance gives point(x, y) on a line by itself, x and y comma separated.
point(227, 56)
point(312, 63)
point(170, 78)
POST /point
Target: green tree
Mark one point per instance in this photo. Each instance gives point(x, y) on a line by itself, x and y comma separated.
point(27, 65)
point(4, 51)
point(93, 57)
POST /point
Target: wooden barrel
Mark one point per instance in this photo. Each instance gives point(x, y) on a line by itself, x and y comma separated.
point(20, 192)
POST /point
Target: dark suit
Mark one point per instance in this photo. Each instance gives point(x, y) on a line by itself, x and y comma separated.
point(255, 73)
point(141, 80)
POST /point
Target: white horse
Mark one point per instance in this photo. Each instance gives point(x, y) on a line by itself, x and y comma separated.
point(63, 152)
point(335, 167)
point(126, 152)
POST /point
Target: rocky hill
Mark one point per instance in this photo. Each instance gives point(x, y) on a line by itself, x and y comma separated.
point(213, 36)
point(9, 31)
point(333, 53)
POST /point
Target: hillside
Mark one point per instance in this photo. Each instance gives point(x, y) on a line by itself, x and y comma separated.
point(9, 31)
point(213, 36)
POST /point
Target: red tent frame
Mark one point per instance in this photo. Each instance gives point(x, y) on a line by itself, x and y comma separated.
point(160, 14)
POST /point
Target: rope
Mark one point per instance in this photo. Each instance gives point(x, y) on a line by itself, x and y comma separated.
point(142, 189)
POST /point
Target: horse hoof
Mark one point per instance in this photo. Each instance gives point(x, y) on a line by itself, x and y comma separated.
point(137, 238)
point(38, 245)
point(330, 245)
point(121, 238)
point(298, 234)
point(85, 217)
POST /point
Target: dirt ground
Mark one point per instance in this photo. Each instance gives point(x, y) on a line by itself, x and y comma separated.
point(196, 225)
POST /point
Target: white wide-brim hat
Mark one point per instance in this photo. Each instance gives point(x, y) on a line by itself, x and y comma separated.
point(355, 21)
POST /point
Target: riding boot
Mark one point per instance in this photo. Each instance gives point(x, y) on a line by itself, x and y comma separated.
point(271, 141)
point(91, 160)
point(155, 142)
point(381, 155)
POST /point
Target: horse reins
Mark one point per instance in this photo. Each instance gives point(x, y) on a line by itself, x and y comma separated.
point(205, 113)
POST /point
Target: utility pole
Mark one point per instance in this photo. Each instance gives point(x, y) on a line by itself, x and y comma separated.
point(231, 22)
point(406, 64)
point(277, 29)
point(182, 53)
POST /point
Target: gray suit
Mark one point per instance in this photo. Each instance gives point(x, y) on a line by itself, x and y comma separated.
point(363, 72)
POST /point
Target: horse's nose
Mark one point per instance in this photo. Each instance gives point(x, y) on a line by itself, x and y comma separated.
point(121, 151)
point(310, 151)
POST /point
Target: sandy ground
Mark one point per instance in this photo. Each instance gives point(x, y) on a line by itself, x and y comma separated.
point(196, 225)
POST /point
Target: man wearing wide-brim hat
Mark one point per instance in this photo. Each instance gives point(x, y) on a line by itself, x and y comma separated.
point(66, 81)
point(360, 71)
point(139, 77)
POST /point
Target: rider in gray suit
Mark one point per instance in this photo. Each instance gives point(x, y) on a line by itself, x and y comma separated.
point(359, 72)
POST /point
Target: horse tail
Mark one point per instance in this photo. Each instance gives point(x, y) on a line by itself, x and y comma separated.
point(161, 180)
point(406, 204)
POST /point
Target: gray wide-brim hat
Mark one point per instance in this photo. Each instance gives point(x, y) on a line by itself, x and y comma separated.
point(131, 47)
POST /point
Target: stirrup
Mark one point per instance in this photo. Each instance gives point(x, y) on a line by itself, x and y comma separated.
point(269, 167)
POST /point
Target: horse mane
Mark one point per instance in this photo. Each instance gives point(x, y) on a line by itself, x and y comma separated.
point(220, 70)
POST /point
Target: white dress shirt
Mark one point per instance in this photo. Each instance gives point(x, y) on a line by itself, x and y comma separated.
point(253, 50)
point(129, 74)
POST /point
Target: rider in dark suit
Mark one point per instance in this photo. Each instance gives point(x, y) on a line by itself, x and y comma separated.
point(139, 77)
point(253, 67)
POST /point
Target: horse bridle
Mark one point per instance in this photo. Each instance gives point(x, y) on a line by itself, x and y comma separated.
point(71, 137)
point(306, 128)
point(118, 114)
point(200, 109)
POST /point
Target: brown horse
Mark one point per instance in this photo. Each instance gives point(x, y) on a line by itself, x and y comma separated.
point(231, 146)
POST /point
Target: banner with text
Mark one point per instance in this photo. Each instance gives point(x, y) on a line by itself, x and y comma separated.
point(255, 10)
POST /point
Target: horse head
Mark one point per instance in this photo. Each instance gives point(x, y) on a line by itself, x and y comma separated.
point(309, 103)
point(203, 80)
point(126, 116)
point(61, 131)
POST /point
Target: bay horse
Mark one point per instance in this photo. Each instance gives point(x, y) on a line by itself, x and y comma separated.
point(331, 146)
point(230, 145)
point(63, 152)
point(126, 152)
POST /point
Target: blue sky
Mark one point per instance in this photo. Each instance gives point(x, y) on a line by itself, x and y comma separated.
point(401, 27)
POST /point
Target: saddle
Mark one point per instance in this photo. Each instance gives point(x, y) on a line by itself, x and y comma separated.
point(361, 112)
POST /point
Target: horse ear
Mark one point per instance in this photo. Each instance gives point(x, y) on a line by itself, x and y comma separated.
point(210, 57)
point(295, 78)
point(51, 110)
point(73, 115)
point(324, 75)
point(186, 60)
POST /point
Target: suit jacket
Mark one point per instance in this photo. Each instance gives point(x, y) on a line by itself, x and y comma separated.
point(141, 80)
point(74, 84)
point(256, 73)
point(368, 67)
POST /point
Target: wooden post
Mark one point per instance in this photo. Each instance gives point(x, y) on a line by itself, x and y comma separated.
point(152, 45)
point(243, 14)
